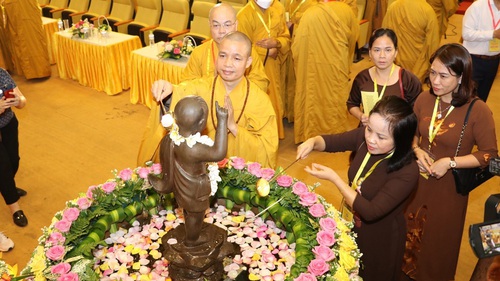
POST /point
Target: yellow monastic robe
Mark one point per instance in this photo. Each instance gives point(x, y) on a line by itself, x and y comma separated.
point(443, 9)
point(257, 138)
point(322, 51)
point(374, 13)
point(202, 59)
point(23, 41)
point(417, 29)
point(255, 23)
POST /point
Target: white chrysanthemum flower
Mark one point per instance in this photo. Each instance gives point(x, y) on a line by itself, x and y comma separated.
point(167, 120)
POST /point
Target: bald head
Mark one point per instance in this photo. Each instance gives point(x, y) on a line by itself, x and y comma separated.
point(222, 20)
point(238, 36)
point(190, 114)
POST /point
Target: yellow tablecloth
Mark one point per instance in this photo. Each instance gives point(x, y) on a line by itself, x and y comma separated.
point(50, 27)
point(147, 68)
point(100, 63)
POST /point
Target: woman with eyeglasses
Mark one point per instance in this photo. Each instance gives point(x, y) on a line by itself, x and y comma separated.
point(436, 214)
point(385, 78)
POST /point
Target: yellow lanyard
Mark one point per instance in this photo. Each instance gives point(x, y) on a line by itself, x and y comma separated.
point(296, 9)
point(213, 60)
point(375, 88)
point(357, 181)
point(345, 210)
point(434, 131)
point(267, 27)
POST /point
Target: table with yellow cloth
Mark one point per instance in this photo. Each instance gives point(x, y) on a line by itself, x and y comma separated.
point(147, 68)
point(50, 27)
point(100, 63)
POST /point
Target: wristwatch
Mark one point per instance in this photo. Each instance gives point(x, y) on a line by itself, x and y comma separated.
point(453, 163)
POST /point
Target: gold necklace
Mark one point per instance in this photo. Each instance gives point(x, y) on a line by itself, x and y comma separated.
point(440, 113)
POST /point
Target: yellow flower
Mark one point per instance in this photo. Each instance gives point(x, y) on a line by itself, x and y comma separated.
point(341, 275)
point(347, 243)
point(252, 276)
point(171, 217)
point(38, 262)
point(145, 278)
point(346, 260)
point(238, 218)
point(173, 42)
point(256, 257)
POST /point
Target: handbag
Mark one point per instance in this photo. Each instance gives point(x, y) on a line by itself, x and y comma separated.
point(466, 179)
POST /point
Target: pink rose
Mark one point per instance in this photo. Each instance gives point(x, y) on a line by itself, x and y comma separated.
point(63, 225)
point(305, 277)
point(318, 267)
point(55, 252)
point(328, 224)
point(177, 51)
point(156, 168)
point(83, 203)
point(267, 173)
point(125, 174)
point(71, 214)
point(90, 190)
point(254, 169)
point(325, 238)
point(324, 253)
point(308, 198)
point(317, 210)
point(56, 238)
point(61, 268)
point(109, 186)
point(222, 163)
point(284, 181)
point(68, 277)
point(143, 173)
point(299, 188)
point(238, 163)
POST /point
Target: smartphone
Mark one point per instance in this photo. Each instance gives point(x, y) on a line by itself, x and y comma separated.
point(9, 94)
point(484, 238)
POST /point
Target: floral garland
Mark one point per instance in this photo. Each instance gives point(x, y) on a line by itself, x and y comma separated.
point(325, 247)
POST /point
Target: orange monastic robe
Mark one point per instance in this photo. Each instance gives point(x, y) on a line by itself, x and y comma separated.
point(322, 50)
point(257, 25)
point(444, 9)
point(417, 29)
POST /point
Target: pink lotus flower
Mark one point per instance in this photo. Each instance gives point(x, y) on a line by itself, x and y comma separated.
point(267, 173)
point(109, 186)
point(143, 173)
point(55, 253)
point(156, 168)
point(306, 277)
point(126, 174)
point(63, 225)
point(255, 169)
point(308, 199)
point(328, 224)
point(71, 214)
point(56, 238)
point(324, 253)
point(284, 181)
point(238, 163)
point(61, 268)
point(317, 210)
point(83, 203)
point(325, 238)
point(299, 188)
point(318, 267)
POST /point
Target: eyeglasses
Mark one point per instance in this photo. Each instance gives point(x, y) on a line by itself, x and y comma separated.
point(225, 25)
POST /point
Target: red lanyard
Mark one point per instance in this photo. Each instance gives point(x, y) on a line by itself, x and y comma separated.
point(492, 16)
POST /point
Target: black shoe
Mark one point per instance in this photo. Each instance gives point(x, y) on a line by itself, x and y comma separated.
point(20, 219)
point(21, 192)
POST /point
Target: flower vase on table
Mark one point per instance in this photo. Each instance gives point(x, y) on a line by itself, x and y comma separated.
point(81, 29)
point(176, 49)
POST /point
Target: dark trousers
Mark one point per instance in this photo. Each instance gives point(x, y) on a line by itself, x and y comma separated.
point(483, 73)
point(9, 161)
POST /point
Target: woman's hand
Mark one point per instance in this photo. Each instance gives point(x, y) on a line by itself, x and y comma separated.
point(321, 172)
point(440, 167)
point(424, 161)
point(314, 143)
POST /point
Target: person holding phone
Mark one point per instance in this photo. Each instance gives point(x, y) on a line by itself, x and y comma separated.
point(11, 96)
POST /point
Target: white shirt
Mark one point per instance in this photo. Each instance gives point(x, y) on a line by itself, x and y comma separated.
point(477, 27)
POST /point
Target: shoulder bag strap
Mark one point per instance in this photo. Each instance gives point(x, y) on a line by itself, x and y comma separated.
point(466, 120)
point(401, 84)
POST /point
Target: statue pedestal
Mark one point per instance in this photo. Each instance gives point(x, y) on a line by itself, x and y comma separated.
point(201, 262)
